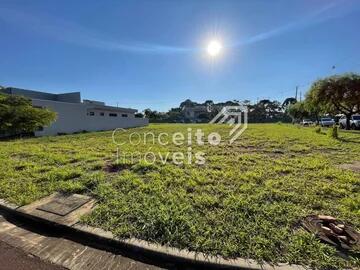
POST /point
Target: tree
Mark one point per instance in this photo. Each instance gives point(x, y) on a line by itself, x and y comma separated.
point(139, 115)
point(246, 102)
point(298, 111)
point(151, 114)
point(18, 116)
point(155, 116)
point(147, 112)
point(313, 109)
point(337, 94)
point(265, 111)
point(288, 101)
point(187, 103)
point(270, 109)
point(173, 115)
point(209, 102)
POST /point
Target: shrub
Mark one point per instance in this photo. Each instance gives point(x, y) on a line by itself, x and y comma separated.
point(18, 116)
point(318, 130)
point(333, 132)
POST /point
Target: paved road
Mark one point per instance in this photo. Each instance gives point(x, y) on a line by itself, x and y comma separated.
point(15, 259)
point(17, 241)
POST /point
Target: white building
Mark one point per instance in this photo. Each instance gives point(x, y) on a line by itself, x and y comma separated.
point(76, 116)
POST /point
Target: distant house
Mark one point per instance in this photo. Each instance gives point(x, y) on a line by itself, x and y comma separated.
point(204, 112)
point(195, 112)
point(74, 115)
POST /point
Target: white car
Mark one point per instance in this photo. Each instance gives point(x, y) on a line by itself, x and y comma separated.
point(307, 122)
point(354, 122)
point(327, 122)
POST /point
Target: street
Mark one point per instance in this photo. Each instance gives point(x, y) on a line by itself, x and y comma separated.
point(12, 258)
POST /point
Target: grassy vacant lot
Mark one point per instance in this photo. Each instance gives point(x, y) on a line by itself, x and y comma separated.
point(246, 200)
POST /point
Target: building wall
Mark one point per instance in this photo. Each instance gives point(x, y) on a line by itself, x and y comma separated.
point(74, 117)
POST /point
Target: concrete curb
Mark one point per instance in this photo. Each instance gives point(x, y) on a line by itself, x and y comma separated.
point(161, 252)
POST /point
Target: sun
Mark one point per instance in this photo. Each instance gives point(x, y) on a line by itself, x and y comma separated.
point(214, 48)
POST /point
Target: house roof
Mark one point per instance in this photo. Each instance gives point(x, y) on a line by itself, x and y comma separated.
point(109, 108)
point(72, 97)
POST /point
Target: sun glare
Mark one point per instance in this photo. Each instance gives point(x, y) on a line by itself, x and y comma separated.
point(214, 48)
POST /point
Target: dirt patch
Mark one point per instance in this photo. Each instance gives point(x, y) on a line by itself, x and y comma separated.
point(113, 168)
point(353, 166)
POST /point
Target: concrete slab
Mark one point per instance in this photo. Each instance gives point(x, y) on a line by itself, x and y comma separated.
point(7, 204)
point(63, 205)
point(59, 208)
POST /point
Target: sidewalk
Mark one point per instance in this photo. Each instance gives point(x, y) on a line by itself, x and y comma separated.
point(54, 252)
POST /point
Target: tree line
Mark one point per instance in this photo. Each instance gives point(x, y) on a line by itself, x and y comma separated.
point(333, 95)
point(264, 111)
point(338, 94)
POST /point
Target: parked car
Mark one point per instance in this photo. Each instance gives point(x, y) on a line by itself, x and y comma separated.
point(307, 122)
point(354, 122)
point(326, 122)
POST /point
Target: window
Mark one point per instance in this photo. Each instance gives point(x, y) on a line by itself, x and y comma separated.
point(102, 114)
point(124, 115)
point(113, 114)
point(91, 113)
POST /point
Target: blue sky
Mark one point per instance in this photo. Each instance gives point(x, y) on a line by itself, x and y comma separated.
point(152, 53)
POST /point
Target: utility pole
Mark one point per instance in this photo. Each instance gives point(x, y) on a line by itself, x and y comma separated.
point(296, 92)
point(300, 96)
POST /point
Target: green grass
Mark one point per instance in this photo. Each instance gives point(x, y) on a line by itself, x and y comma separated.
point(246, 200)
